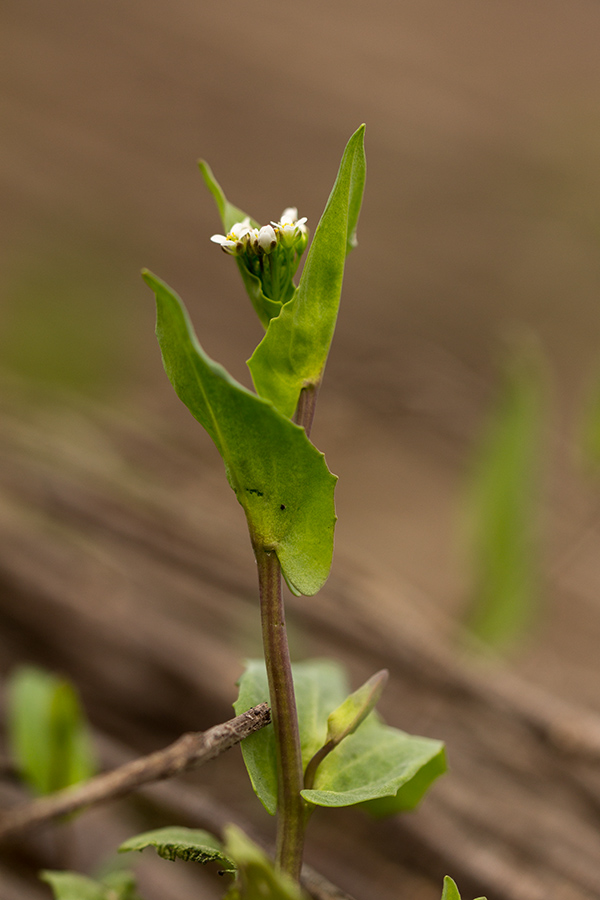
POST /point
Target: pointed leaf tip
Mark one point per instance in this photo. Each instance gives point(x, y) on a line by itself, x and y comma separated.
point(294, 350)
point(450, 890)
point(354, 710)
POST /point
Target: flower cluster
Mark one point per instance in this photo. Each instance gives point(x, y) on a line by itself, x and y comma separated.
point(271, 253)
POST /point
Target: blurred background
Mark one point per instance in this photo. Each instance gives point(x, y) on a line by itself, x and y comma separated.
point(478, 253)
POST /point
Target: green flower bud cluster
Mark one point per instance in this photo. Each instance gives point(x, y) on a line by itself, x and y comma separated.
point(271, 253)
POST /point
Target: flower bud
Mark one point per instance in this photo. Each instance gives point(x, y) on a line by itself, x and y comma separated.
point(252, 238)
point(301, 239)
point(267, 239)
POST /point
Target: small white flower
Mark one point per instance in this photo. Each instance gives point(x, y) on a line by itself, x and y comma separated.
point(227, 245)
point(289, 216)
point(241, 228)
point(267, 239)
point(233, 242)
point(290, 227)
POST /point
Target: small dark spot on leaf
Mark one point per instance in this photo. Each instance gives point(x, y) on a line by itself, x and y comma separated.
point(282, 506)
point(254, 491)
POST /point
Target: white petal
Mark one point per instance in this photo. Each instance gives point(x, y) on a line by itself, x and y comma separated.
point(289, 215)
point(241, 228)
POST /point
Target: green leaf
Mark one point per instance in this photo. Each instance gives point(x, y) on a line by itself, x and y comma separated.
point(265, 308)
point(193, 845)
point(450, 891)
point(376, 763)
point(383, 768)
point(294, 350)
point(503, 506)
point(257, 877)
point(71, 886)
point(280, 479)
point(122, 885)
point(229, 213)
point(319, 685)
point(344, 720)
point(48, 734)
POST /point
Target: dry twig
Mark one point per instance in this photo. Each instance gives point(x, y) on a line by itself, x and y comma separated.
point(189, 751)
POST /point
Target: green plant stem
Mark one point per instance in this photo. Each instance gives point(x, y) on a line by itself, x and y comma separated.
point(291, 813)
point(305, 411)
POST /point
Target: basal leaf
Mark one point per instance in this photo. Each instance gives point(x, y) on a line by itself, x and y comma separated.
point(265, 308)
point(320, 686)
point(377, 763)
point(48, 734)
point(294, 350)
point(175, 842)
point(450, 891)
point(280, 479)
point(257, 877)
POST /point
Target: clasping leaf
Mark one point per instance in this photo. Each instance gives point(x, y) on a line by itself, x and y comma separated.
point(293, 352)
point(279, 477)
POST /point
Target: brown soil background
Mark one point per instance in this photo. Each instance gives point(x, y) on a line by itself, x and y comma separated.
point(481, 216)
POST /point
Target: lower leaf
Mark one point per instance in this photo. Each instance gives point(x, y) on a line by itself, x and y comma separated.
point(382, 768)
point(176, 842)
point(257, 877)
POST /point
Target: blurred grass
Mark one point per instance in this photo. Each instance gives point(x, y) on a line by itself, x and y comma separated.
point(503, 503)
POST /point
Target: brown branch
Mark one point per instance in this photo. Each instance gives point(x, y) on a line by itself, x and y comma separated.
point(189, 751)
